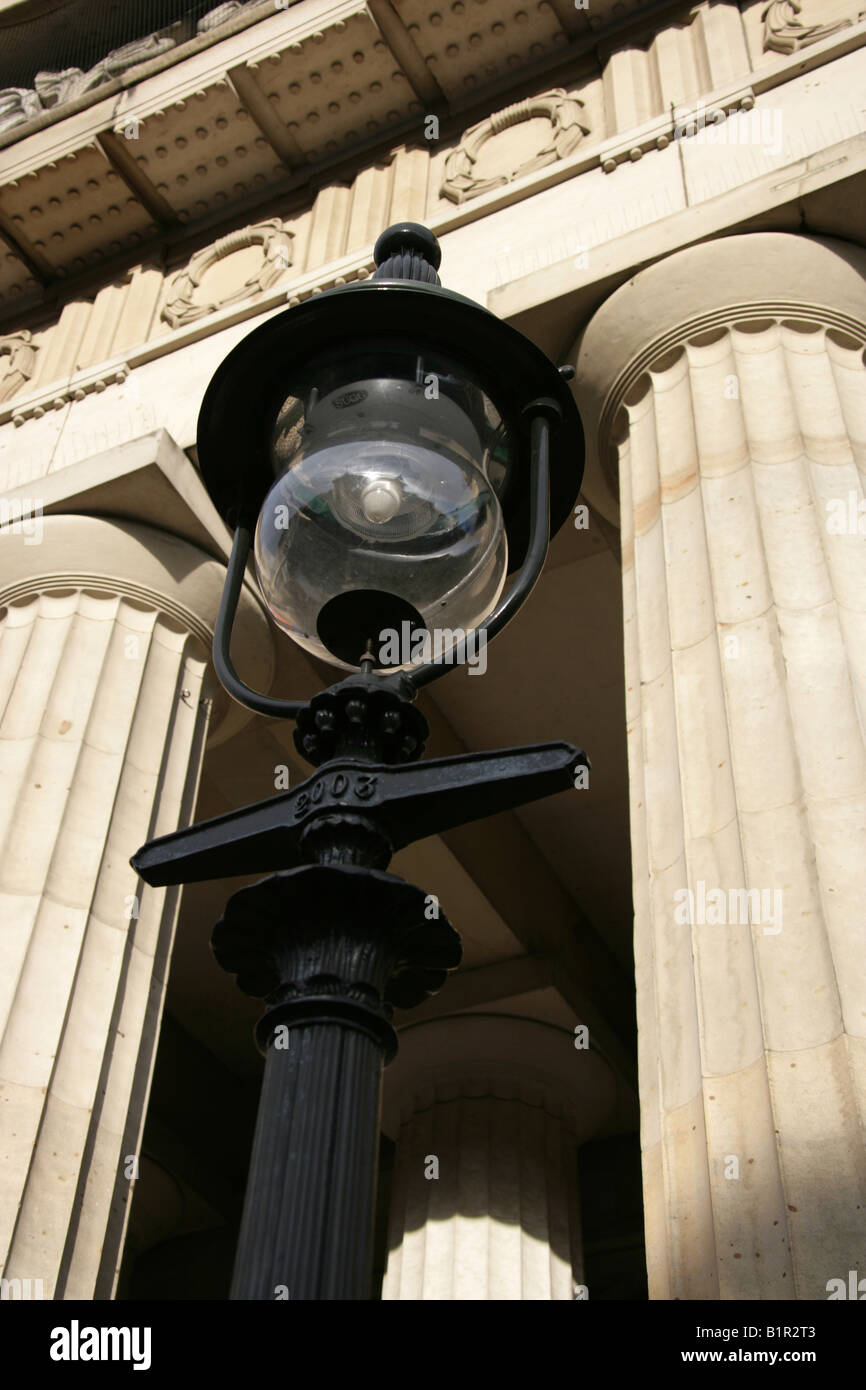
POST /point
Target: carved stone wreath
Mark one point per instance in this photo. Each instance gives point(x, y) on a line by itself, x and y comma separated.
point(21, 352)
point(785, 33)
point(568, 122)
point(181, 308)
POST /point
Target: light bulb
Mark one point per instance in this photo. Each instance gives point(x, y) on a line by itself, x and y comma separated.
point(381, 500)
point(382, 511)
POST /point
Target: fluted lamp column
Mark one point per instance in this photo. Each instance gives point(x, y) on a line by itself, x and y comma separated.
point(105, 703)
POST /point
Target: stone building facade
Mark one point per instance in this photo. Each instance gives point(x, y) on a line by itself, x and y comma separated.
point(669, 196)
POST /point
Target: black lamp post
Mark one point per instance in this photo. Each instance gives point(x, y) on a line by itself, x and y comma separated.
point(396, 451)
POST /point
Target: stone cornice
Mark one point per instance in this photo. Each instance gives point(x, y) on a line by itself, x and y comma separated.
point(172, 233)
point(265, 72)
point(130, 78)
point(677, 228)
point(593, 30)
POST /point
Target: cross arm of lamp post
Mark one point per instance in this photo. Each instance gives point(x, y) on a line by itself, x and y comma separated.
point(358, 810)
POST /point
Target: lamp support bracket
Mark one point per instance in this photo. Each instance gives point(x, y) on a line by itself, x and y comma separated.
point(356, 812)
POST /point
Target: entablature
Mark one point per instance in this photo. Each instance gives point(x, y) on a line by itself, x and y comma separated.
point(161, 147)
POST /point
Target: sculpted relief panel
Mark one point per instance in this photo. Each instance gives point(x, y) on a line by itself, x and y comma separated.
point(482, 161)
point(785, 32)
point(17, 362)
point(212, 278)
point(18, 104)
point(54, 88)
point(223, 13)
point(50, 89)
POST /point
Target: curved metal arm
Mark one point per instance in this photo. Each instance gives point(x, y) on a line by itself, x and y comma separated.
point(527, 575)
point(222, 638)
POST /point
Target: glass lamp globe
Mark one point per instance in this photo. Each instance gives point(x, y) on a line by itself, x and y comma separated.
point(384, 522)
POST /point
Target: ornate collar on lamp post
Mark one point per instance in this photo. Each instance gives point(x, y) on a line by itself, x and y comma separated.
point(392, 452)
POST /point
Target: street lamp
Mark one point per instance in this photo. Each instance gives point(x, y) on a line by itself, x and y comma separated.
point(391, 452)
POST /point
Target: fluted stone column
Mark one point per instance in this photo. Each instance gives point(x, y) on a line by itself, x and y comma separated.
point(105, 701)
point(725, 388)
point(488, 1113)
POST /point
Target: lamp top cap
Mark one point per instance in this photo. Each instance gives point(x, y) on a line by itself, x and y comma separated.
point(407, 251)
